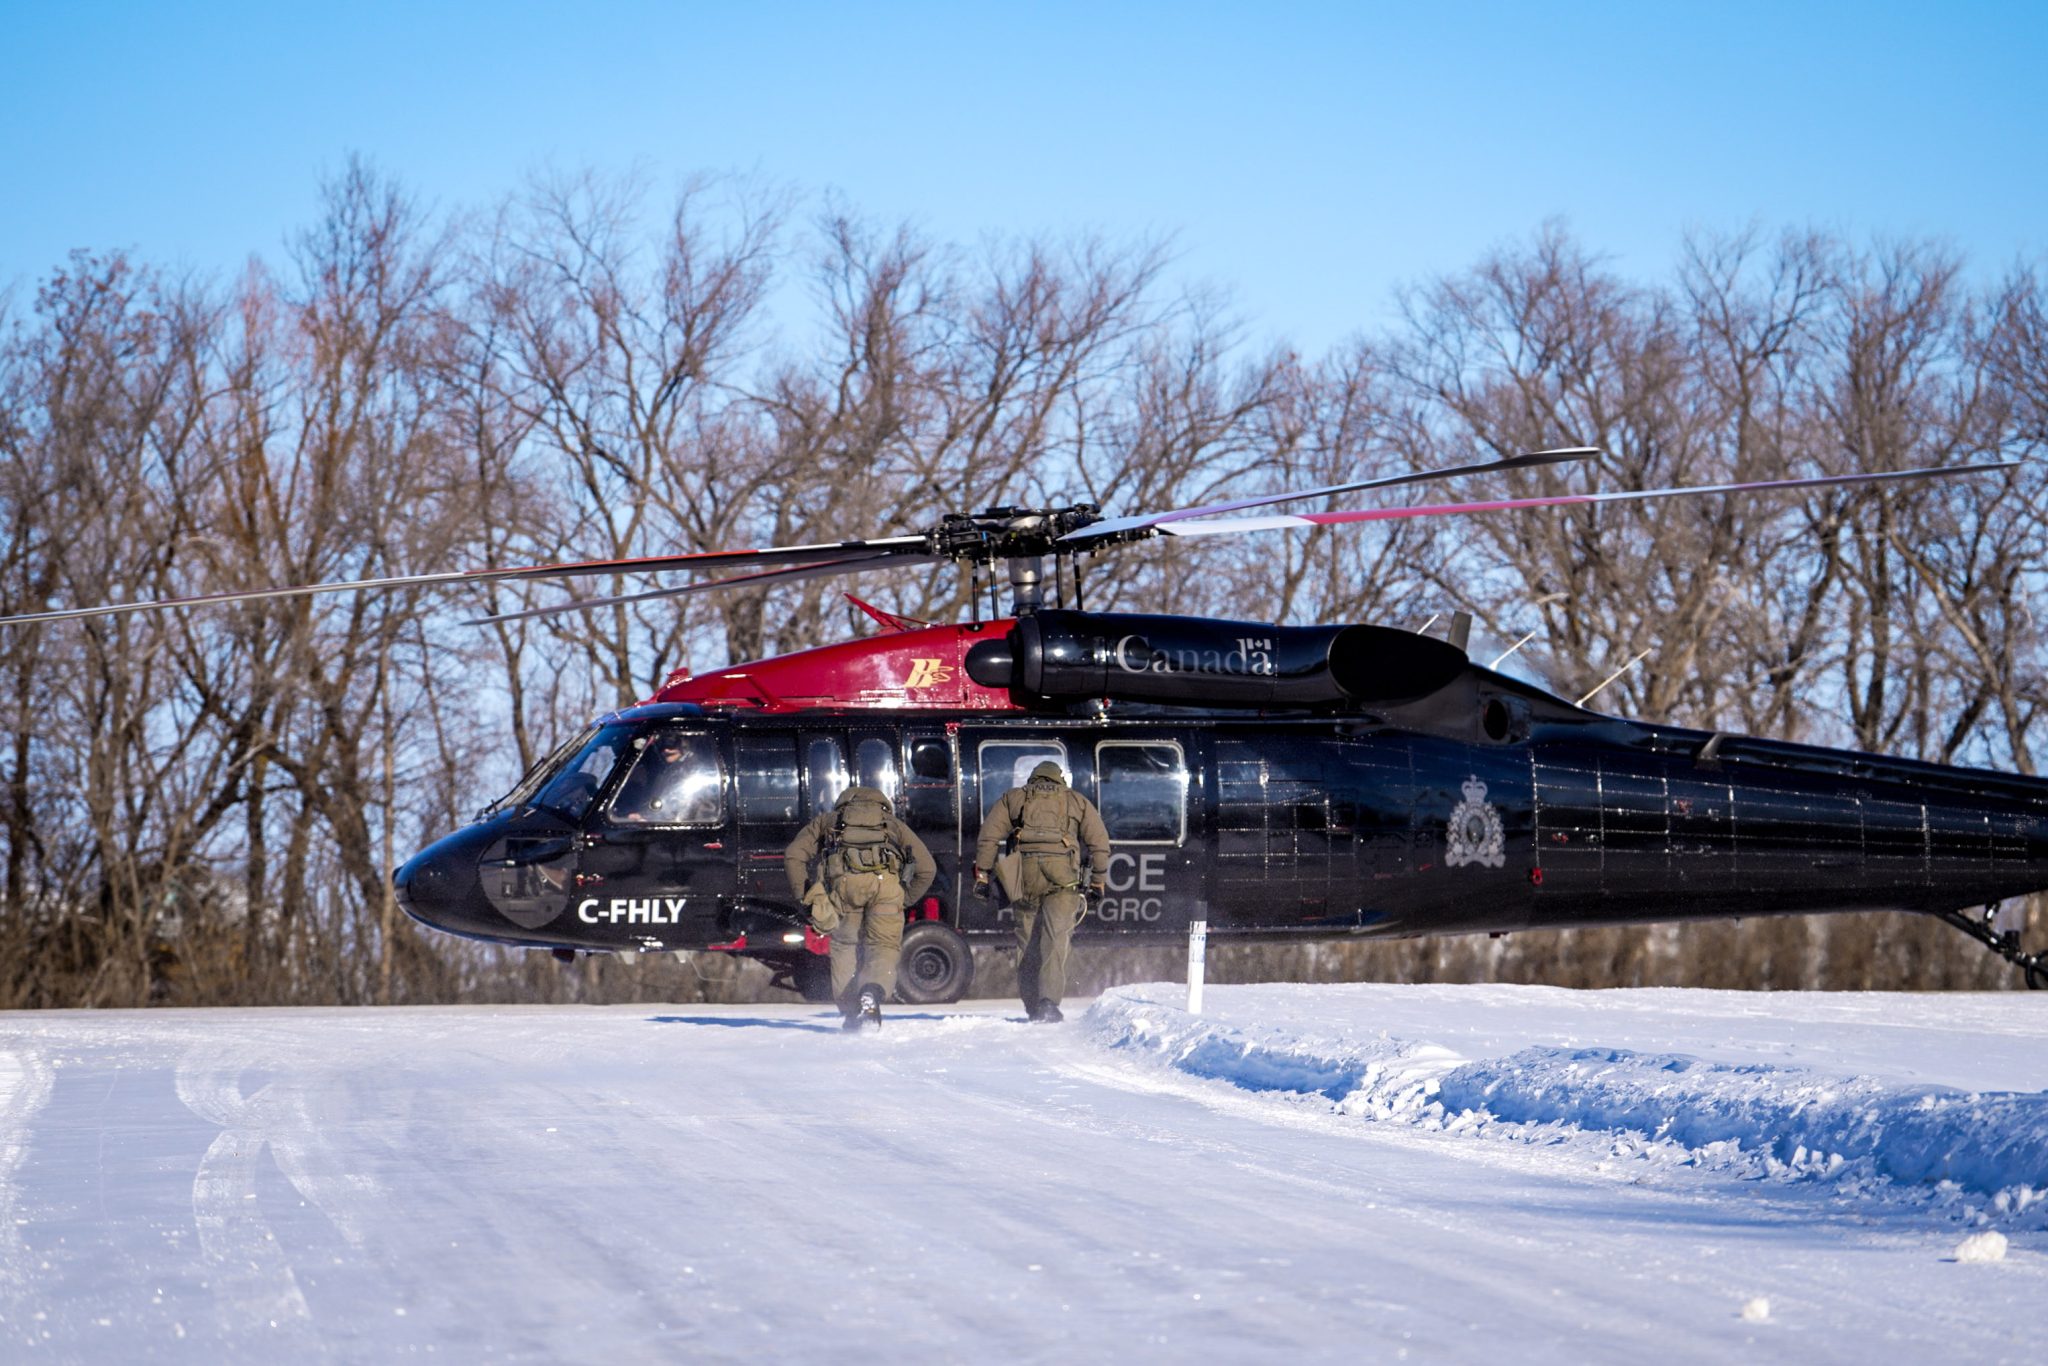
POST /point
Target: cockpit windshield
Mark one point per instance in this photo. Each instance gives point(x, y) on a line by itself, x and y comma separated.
point(569, 789)
point(539, 772)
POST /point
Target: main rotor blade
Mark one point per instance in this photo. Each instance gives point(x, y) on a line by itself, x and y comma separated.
point(914, 546)
point(1111, 528)
point(851, 565)
point(1230, 526)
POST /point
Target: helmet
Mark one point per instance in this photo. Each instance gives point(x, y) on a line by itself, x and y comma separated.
point(1051, 770)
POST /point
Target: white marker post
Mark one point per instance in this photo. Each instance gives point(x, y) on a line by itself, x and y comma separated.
point(1198, 954)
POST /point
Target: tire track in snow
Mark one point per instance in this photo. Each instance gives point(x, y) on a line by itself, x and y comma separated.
point(1453, 1239)
point(26, 1082)
point(251, 1277)
point(829, 1233)
point(496, 1214)
point(344, 1138)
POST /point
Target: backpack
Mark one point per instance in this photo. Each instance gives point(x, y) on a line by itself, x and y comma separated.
point(1049, 855)
point(1042, 821)
point(860, 833)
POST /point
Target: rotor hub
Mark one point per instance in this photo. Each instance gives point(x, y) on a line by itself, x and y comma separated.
point(1009, 533)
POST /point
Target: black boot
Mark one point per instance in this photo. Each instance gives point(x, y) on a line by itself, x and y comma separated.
point(870, 1012)
point(1047, 1013)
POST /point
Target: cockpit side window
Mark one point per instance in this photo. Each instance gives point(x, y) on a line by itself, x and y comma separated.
point(677, 778)
point(573, 787)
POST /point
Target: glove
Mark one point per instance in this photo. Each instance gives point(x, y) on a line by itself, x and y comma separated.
point(981, 885)
point(1096, 892)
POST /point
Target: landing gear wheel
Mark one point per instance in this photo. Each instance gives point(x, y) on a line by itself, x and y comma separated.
point(937, 967)
point(2037, 976)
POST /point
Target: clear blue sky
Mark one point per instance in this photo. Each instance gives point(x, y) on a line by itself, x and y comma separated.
point(1310, 157)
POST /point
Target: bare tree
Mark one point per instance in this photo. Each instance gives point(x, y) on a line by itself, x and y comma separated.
point(206, 806)
point(616, 365)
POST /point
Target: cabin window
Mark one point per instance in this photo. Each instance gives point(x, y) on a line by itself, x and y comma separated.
point(931, 760)
point(825, 767)
point(1143, 790)
point(1008, 763)
point(930, 796)
point(571, 791)
point(766, 768)
point(874, 759)
point(676, 779)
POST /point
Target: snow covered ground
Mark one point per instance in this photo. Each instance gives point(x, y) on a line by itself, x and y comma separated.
point(1303, 1173)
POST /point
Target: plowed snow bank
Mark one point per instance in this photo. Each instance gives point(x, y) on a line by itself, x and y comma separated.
point(1753, 1118)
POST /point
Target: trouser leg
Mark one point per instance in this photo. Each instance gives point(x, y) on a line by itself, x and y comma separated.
point(1027, 954)
point(1058, 913)
point(882, 945)
point(846, 955)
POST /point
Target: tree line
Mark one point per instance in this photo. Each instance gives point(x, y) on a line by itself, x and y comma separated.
point(203, 806)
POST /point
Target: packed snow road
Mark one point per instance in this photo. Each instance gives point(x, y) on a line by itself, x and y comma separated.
point(1303, 1173)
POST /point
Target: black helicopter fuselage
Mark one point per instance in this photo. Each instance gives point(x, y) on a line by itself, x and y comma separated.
point(1483, 806)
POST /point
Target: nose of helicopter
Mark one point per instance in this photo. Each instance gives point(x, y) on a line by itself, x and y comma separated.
point(439, 887)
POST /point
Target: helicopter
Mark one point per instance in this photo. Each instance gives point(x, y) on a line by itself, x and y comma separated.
point(1271, 781)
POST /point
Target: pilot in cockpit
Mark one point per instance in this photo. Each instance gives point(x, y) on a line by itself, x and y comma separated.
point(661, 789)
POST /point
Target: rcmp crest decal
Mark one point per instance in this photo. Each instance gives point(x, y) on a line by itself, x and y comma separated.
point(1474, 834)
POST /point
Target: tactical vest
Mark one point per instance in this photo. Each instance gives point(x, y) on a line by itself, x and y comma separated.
point(860, 835)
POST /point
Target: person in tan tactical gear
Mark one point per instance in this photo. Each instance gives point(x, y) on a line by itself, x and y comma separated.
point(857, 866)
point(1053, 827)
